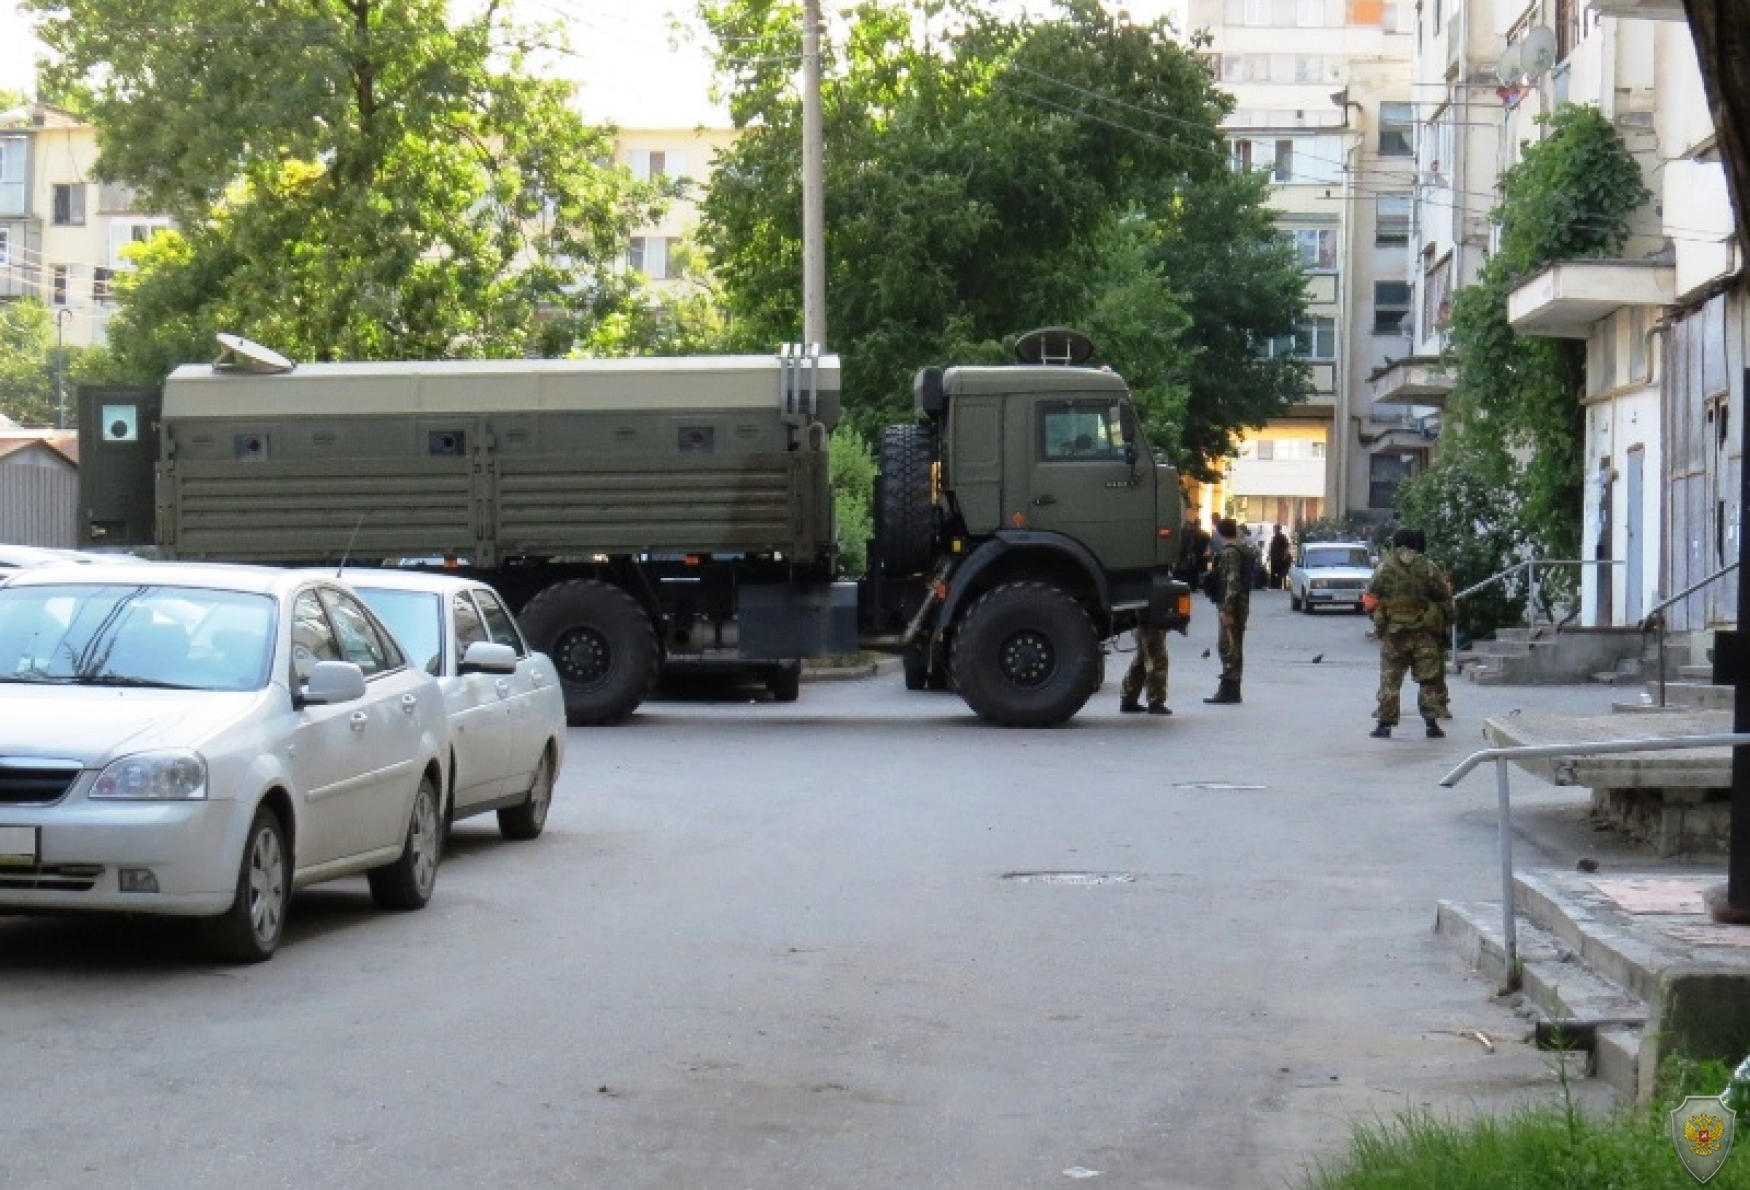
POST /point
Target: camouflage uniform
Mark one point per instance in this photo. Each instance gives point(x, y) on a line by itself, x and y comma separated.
point(1236, 564)
point(1413, 614)
point(1148, 668)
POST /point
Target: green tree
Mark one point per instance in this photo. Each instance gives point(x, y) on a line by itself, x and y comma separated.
point(1515, 396)
point(987, 175)
point(27, 363)
point(352, 178)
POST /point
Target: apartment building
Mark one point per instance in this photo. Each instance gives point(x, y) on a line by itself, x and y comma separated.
point(1323, 101)
point(1664, 324)
point(61, 231)
point(687, 153)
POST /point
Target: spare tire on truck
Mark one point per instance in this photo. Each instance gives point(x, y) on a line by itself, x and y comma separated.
point(1027, 655)
point(601, 642)
point(905, 513)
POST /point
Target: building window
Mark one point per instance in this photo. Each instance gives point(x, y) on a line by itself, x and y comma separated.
point(5, 246)
point(1385, 473)
point(1391, 307)
point(1266, 451)
point(1310, 14)
point(58, 284)
point(1313, 339)
point(1256, 12)
point(1392, 219)
point(1574, 21)
point(1437, 298)
point(1316, 248)
point(654, 256)
point(12, 156)
point(100, 285)
point(69, 206)
point(1397, 130)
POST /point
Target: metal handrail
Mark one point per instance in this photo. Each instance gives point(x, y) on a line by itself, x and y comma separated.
point(1530, 565)
point(1504, 756)
point(1655, 619)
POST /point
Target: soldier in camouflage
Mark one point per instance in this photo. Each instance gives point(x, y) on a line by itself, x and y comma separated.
point(1236, 565)
point(1410, 600)
point(1148, 670)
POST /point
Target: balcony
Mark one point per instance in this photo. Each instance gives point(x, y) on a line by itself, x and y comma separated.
point(1567, 298)
point(1646, 10)
point(1413, 380)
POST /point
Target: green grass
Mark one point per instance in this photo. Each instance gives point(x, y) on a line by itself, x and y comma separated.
point(1542, 1147)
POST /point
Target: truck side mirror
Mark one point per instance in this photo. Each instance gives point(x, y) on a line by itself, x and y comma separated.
point(1130, 454)
point(1127, 428)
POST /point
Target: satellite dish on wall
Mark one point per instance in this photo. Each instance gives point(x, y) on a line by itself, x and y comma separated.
point(1511, 65)
point(237, 354)
point(1537, 53)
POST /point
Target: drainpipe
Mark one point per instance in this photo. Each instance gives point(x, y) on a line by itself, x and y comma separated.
point(1337, 487)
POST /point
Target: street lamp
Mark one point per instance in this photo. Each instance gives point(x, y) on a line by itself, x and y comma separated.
point(61, 317)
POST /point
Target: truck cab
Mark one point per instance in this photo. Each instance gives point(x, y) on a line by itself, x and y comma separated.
point(1031, 497)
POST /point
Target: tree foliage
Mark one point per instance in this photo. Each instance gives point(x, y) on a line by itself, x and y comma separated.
point(1517, 397)
point(27, 363)
point(352, 178)
point(987, 175)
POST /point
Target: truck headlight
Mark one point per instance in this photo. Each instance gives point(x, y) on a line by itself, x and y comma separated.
point(170, 776)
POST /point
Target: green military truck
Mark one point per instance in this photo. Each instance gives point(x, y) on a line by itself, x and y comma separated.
point(644, 513)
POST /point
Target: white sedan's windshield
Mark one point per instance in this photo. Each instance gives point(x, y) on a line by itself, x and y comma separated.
point(1343, 556)
point(185, 638)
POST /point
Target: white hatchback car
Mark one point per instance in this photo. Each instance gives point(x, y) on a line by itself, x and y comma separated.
point(506, 707)
point(201, 740)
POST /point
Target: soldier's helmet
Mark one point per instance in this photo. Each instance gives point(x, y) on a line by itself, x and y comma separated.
point(1408, 538)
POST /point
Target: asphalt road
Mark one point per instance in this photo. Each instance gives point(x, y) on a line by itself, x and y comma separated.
point(817, 946)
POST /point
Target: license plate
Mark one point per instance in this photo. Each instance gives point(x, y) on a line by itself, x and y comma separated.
point(20, 846)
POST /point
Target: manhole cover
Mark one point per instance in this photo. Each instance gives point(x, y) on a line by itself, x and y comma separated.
point(1218, 786)
point(1078, 879)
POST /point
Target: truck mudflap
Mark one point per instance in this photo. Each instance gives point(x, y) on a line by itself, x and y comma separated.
point(1169, 605)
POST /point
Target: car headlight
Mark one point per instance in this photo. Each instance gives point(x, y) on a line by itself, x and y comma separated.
point(176, 776)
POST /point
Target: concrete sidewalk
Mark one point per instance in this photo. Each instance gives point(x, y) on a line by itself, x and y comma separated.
point(1615, 948)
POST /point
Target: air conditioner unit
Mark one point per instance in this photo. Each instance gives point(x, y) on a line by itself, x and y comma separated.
point(1476, 230)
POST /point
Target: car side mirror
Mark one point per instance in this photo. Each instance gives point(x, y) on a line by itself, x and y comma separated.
point(332, 682)
point(485, 657)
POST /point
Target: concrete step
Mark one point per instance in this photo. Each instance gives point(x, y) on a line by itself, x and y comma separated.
point(1500, 648)
point(1693, 673)
point(1555, 985)
point(1695, 695)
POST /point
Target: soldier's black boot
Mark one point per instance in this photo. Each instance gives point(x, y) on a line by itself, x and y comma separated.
point(1129, 706)
point(1434, 732)
point(1227, 692)
point(1381, 731)
point(1158, 708)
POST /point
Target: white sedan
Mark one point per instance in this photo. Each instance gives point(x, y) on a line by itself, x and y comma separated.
point(201, 740)
point(1330, 574)
point(506, 707)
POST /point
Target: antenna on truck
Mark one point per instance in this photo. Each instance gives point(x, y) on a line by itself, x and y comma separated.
point(1054, 345)
point(237, 354)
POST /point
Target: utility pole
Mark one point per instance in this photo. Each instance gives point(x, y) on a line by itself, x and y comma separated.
point(813, 177)
point(61, 317)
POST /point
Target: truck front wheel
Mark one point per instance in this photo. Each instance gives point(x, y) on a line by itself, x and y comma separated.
point(1026, 655)
point(602, 644)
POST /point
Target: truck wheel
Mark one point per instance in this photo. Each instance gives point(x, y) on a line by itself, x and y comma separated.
point(785, 682)
point(1026, 655)
point(905, 528)
point(602, 644)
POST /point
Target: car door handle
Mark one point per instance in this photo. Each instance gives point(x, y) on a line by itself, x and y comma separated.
point(359, 719)
point(409, 703)
point(503, 688)
point(1042, 501)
